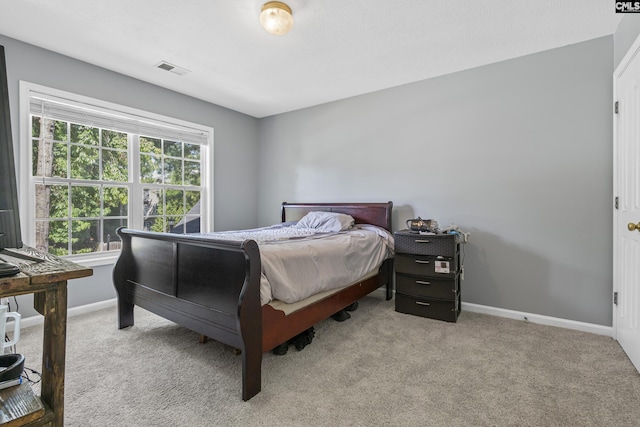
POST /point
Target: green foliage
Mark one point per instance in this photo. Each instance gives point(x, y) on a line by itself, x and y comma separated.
point(113, 139)
point(150, 145)
point(60, 131)
point(191, 173)
point(173, 148)
point(81, 217)
point(59, 237)
point(115, 166)
point(58, 201)
point(85, 162)
point(116, 201)
point(191, 151)
point(85, 135)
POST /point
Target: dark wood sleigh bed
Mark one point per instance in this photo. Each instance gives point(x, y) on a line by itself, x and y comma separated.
point(213, 286)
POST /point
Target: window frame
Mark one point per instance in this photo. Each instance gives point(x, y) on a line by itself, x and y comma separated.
point(27, 182)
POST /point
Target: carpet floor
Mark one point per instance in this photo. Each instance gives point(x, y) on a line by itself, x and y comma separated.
point(379, 368)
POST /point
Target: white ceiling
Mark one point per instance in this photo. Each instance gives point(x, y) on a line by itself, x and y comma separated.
point(337, 48)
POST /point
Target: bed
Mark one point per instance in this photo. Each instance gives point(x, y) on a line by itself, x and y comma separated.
point(212, 286)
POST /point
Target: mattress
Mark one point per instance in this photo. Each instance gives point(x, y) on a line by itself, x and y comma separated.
point(292, 308)
point(300, 262)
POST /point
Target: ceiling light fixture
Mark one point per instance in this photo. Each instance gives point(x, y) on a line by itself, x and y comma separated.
point(276, 17)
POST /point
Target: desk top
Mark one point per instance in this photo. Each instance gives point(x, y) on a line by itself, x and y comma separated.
point(38, 271)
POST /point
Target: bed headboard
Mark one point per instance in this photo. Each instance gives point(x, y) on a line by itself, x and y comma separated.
point(364, 213)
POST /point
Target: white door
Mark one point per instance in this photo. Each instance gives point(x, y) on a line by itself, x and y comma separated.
point(626, 218)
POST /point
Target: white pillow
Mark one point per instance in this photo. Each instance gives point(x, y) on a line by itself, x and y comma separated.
point(326, 221)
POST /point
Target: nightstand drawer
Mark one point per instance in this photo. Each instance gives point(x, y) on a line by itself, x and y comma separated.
point(425, 244)
point(426, 307)
point(426, 265)
point(429, 287)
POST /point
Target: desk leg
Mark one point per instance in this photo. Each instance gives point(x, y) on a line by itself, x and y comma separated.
point(53, 306)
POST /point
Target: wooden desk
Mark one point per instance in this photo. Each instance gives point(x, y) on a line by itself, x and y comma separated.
point(47, 280)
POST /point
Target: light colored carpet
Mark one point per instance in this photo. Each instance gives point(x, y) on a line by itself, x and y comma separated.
point(379, 368)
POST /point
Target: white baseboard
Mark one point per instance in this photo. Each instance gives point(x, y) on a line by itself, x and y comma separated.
point(540, 319)
point(75, 311)
point(475, 308)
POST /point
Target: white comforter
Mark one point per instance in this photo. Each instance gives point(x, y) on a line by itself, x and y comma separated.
point(300, 262)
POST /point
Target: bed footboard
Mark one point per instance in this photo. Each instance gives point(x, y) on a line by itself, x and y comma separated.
point(209, 286)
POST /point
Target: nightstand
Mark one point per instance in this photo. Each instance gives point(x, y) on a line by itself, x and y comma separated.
point(427, 272)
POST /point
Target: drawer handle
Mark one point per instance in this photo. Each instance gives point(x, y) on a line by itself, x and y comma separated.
point(422, 241)
point(423, 303)
point(421, 261)
point(422, 282)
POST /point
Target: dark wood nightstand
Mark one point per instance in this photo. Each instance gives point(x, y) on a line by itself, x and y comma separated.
point(427, 271)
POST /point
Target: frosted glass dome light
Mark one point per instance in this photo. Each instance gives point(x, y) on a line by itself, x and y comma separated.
point(276, 17)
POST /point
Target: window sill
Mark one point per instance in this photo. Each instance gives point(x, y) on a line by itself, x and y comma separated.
point(94, 260)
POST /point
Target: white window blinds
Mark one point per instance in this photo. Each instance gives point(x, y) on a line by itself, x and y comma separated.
point(91, 115)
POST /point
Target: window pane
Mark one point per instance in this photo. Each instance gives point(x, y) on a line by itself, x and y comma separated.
point(171, 223)
point(172, 171)
point(85, 201)
point(152, 202)
point(191, 151)
point(60, 131)
point(116, 201)
point(115, 166)
point(60, 160)
point(35, 147)
point(191, 173)
point(52, 201)
point(49, 159)
point(84, 236)
point(173, 148)
point(111, 241)
point(85, 162)
point(150, 145)
point(35, 126)
point(192, 199)
point(189, 224)
point(113, 139)
point(175, 203)
point(42, 157)
point(192, 225)
point(153, 224)
point(85, 134)
point(54, 235)
point(150, 169)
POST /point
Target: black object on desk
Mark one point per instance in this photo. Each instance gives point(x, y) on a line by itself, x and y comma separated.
point(7, 269)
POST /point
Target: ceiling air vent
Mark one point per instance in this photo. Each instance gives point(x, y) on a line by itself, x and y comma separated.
point(164, 65)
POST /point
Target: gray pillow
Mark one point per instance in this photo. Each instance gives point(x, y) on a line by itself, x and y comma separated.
point(326, 221)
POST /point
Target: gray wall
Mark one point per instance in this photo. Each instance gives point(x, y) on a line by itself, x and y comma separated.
point(626, 33)
point(519, 153)
point(235, 139)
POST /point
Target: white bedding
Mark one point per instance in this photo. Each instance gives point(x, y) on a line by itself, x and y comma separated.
point(300, 262)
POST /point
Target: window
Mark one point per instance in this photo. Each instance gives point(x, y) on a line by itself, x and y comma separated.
point(95, 167)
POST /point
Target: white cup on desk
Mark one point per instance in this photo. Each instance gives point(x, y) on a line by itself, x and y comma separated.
point(3, 325)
